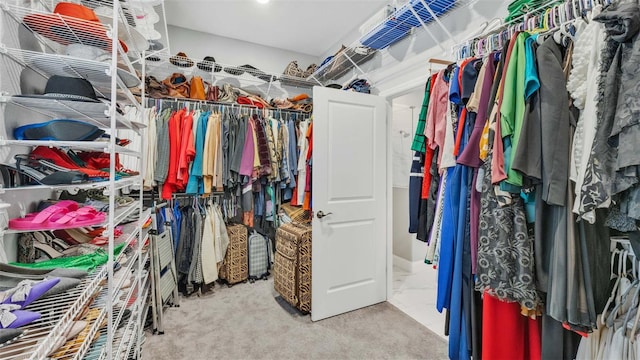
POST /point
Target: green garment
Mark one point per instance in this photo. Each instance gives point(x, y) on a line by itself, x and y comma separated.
point(513, 105)
point(87, 262)
point(520, 7)
point(419, 140)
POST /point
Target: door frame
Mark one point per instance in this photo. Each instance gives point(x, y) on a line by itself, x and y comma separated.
point(389, 95)
point(389, 265)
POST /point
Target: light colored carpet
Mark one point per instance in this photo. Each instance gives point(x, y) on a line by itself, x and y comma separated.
point(246, 322)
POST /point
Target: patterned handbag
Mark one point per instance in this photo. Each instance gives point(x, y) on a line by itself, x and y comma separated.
point(235, 266)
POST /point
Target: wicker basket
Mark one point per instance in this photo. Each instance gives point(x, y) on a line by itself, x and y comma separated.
point(297, 214)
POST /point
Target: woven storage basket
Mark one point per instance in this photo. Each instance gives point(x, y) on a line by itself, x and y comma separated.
point(292, 265)
point(297, 214)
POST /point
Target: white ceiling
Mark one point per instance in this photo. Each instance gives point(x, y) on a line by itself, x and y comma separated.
point(305, 26)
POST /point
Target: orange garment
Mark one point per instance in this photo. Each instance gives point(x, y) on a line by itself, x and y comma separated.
point(464, 63)
point(426, 176)
point(461, 122)
point(247, 218)
point(170, 185)
point(187, 150)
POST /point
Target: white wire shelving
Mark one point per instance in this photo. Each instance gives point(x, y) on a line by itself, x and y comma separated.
point(98, 73)
point(94, 113)
point(74, 188)
point(136, 19)
point(35, 37)
point(79, 145)
point(219, 73)
point(59, 311)
point(403, 21)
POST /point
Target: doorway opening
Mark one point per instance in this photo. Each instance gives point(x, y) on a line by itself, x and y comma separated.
point(414, 281)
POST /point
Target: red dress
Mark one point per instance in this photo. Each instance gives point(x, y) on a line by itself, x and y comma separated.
point(507, 334)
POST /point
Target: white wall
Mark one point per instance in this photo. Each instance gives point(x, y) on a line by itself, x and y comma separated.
point(234, 52)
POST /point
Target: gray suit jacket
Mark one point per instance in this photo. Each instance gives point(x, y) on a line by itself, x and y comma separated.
point(555, 123)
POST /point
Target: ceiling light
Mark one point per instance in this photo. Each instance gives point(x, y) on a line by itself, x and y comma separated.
point(262, 1)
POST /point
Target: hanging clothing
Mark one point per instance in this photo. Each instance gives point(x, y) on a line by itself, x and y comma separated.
point(415, 188)
point(196, 180)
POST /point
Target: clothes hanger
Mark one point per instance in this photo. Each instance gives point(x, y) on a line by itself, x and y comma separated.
point(619, 274)
point(634, 302)
point(622, 300)
point(634, 327)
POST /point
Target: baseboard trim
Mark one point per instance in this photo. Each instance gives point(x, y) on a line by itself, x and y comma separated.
point(407, 265)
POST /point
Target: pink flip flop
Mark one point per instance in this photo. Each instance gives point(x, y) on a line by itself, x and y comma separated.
point(85, 216)
point(43, 219)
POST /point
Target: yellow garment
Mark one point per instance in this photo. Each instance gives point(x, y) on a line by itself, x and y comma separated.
point(256, 156)
point(484, 139)
point(219, 165)
point(208, 159)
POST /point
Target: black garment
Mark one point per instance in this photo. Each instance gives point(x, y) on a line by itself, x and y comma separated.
point(558, 343)
point(415, 189)
point(556, 120)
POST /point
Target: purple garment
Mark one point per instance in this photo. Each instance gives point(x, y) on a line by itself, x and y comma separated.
point(248, 152)
point(470, 156)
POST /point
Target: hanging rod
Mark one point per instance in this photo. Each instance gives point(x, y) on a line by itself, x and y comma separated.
point(561, 11)
point(152, 101)
point(440, 61)
point(201, 196)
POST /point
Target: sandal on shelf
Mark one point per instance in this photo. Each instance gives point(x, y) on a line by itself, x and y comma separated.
point(12, 317)
point(82, 249)
point(26, 273)
point(8, 336)
point(124, 200)
point(29, 291)
point(85, 216)
point(74, 236)
point(75, 329)
point(27, 173)
point(44, 219)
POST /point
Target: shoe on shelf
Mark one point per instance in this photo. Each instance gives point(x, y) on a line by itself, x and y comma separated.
point(12, 317)
point(8, 336)
point(28, 291)
point(25, 273)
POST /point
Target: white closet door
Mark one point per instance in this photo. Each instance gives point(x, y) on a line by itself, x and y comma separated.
point(350, 188)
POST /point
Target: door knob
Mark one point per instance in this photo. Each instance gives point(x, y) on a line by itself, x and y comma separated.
point(320, 214)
